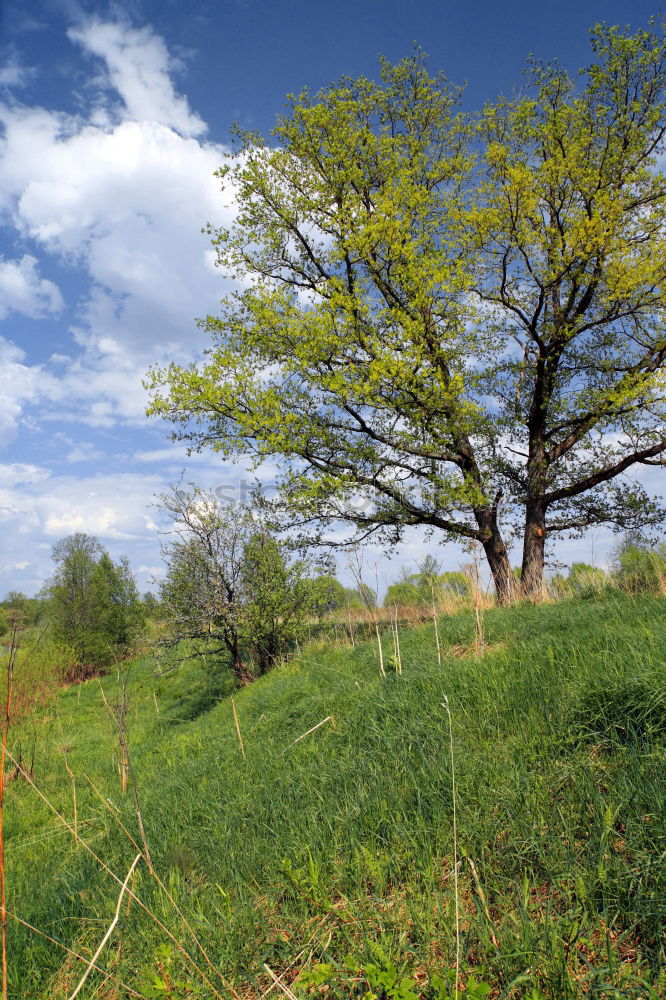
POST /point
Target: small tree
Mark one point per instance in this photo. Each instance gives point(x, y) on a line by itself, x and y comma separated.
point(202, 590)
point(427, 585)
point(230, 587)
point(327, 595)
point(277, 599)
point(30, 607)
point(581, 581)
point(152, 607)
point(639, 567)
point(93, 603)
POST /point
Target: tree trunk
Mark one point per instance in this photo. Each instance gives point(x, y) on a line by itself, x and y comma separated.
point(242, 672)
point(496, 554)
point(500, 567)
point(531, 576)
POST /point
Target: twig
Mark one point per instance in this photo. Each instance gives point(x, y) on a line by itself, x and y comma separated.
point(484, 902)
point(110, 929)
point(357, 572)
point(76, 824)
point(278, 982)
point(238, 732)
point(329, 718)
point(396, 641)
point(16, 624)
point(119, 713)
point(434, 621)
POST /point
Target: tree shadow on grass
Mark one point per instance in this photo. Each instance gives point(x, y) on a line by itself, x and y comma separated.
point(202, 692)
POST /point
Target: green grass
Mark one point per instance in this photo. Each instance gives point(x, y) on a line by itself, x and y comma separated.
point(330, 860)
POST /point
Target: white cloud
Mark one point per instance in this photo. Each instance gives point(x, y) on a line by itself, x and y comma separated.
point(20, 474)
point(120, 195)
point(37, 507)
point(151, 571)
point(21, 384)
point(13, 74)
point(127, 204)
point(35, 512)
point(22, 290)
point(139, 66)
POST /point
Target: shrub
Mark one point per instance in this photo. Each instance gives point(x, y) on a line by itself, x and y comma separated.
point(640, 568)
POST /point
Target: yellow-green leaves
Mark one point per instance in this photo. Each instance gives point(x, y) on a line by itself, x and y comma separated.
point(447, 312)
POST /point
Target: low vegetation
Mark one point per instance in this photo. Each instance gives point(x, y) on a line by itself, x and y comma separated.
point(305, 831)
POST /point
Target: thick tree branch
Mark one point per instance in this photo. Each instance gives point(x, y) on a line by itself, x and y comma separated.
point(604, 475)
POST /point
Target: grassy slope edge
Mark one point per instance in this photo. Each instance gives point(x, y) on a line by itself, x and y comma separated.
point(334, 853)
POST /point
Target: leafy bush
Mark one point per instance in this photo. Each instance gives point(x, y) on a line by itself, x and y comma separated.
point(427, 585)
point(639, 567)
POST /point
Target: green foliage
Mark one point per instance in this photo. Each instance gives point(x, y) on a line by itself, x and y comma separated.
point(426, 586)
point(444, 312)
point(582, 580)
point(277, 600)
point(326, 595)
point(640, 568)
point(152, 607)
point(362, 596)
point(442, 989)
point(31, 608)
point(93, 604)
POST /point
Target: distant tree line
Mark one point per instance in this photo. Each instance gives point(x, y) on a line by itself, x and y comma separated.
point(237, 596)
point(427, 586)
point(637, 567)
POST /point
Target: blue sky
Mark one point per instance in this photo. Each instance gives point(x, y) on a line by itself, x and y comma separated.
point(111, 126)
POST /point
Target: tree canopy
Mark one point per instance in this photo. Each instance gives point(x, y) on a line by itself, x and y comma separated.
point(444, 319)
point(230, 587)
point(93, 603)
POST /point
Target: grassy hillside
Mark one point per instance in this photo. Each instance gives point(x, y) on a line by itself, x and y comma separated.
point(330, 860)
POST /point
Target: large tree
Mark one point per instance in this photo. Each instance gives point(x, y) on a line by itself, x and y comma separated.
point(447, 320)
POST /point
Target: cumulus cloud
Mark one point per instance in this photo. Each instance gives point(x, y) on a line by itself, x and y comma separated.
point(119, 198)
point(22, 290)
point(126, 204)
point(138, 65)
point(20, 384)
point(37, 508)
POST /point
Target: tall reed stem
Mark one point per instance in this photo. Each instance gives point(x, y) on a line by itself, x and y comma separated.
point(445, 704)
point(238, 732)
point(13, 648)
